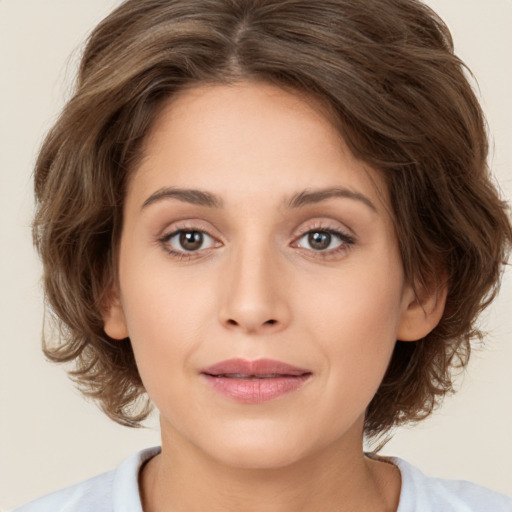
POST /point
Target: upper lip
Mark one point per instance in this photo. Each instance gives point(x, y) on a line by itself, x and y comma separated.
point(257, 368)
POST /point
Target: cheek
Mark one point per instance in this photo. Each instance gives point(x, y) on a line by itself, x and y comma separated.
point(159, 299)
point(356, 343)
point(165, 316)
point(361, 302)
point(355, 319)
point(164, 331)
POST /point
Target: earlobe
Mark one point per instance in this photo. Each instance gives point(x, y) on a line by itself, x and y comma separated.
point(114, 322)
point(422, 313)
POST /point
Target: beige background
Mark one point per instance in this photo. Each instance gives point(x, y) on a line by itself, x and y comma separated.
point(49, 436)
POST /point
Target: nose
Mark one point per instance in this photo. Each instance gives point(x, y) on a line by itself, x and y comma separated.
point(255, 298)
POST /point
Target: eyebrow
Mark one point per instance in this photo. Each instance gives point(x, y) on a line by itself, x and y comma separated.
point(316, 196)
point(187, 195)
point(303, 198)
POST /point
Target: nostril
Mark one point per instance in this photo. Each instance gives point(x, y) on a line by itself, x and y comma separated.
point(251, 325)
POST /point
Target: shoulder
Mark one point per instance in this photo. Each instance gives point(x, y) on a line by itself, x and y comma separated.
point(94, 494)
point(421, 493)
point(113, 491)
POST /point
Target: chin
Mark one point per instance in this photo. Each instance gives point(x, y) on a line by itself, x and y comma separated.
point(259, 458)
point(263, 448)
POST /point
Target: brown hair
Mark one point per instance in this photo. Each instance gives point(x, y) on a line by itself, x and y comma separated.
point(387, 71)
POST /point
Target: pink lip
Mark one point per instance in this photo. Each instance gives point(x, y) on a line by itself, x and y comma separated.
point(254, 382)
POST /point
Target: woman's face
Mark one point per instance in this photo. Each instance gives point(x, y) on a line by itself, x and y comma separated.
point(251, 234)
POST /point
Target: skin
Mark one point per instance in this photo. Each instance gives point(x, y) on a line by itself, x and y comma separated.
point(257, 288)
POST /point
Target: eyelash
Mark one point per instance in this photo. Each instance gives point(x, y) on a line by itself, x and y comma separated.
point(346, 241)
point(181, 255)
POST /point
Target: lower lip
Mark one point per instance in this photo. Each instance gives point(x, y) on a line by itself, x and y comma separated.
point(256, 391)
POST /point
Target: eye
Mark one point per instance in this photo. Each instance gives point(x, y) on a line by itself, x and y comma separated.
point(184, 240)
point(322, 240)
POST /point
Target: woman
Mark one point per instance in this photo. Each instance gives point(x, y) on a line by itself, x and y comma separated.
point(273, 218)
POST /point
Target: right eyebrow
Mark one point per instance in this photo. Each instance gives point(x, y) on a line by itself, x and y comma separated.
point(312, 196)
point(186, 195)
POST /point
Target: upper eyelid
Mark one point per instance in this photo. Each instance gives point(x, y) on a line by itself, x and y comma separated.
point(325, 225)
point(187, 225)
point(305, 227)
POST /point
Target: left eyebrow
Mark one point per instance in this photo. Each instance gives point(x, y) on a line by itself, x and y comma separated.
point(316, 196)
point(187, 195)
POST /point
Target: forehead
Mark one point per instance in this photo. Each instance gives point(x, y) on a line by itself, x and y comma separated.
point(248, 137)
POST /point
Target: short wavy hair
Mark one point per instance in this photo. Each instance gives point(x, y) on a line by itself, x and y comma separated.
point(403, 102)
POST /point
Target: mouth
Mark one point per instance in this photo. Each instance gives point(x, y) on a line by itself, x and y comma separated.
point(244, 376)
point(259, 368)
point(254, 382)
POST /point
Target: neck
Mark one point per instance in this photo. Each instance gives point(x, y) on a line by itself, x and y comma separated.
point(336, 479)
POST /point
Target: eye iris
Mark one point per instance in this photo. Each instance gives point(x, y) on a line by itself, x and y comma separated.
point(319, 240)
point(191, 240)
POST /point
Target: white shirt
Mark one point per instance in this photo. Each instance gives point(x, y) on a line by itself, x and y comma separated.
point(118, 491)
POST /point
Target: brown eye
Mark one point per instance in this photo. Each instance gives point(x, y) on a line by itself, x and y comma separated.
point(187, 240)
point(191, 240)
point(319, 240)
point(324, 240)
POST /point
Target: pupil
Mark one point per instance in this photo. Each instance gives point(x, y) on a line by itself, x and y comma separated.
point(191, 240)
point(319, 240)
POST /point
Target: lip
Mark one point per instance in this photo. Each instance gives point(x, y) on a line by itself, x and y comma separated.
point(254, 382)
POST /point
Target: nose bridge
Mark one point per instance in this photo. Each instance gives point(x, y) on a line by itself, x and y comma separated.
point(254, 292)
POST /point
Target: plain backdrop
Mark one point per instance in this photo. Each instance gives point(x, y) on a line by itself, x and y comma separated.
point(49, 436)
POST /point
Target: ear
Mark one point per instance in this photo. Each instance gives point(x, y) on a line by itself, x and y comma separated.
point(422, 312)
point(114, 321)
